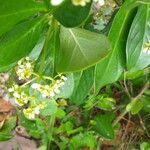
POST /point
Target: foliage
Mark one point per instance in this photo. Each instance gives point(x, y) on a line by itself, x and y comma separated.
point(73, 80)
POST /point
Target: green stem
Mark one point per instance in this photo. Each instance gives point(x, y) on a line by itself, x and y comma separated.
point(29, 82)
point(119, 118)
point(50, 131)
point(48, 78)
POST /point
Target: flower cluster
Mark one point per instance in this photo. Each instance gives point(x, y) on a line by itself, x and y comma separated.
point(33, 111)
point(32, 104)
point(50, 90)
point(20, 97)
point(80, 2)
point(24, 69)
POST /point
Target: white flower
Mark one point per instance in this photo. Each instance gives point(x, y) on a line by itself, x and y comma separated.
point(35, 86)
point(64, 78)
point(11, 90)
point(28, 65)
point(52, 94)
point(100, 2)
point(80, 2)
point(47, 87)
point(31, 112)
point(16, 94)
point(27, 58)
point(20, 97)
point(57, 91)
point(50, 90)
point(45, 93)
point(62, 83)
point(16, 86)
point(146, 51)
point(19, 62)
point(31, 116)
point(24, 69)
point(37, 110)
point(56, 2)
point(19, 102)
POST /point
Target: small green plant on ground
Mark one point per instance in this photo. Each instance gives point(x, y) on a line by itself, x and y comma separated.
point(78, 73)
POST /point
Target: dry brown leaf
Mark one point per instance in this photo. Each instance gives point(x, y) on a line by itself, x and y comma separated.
point(5, 106)
point(2, 120)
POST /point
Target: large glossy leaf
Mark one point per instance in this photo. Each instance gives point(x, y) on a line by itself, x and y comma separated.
point(13, 11)
point(83, 85)
point(70, 15)
point(80, 49)
point(138, 54)
point(109, 69)
point(20, 41)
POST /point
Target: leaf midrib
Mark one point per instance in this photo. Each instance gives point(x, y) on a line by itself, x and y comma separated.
point(26, 33)
point(77, 43)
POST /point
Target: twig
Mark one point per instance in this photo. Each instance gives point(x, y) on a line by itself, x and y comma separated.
point(143, 126)
point(126, 87)
point(138, 96)
point(119, 118)
point(29, 82)
point(50, 131)
point(142, 91)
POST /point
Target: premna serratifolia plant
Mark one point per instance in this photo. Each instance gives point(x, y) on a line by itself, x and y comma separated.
point(78, 73)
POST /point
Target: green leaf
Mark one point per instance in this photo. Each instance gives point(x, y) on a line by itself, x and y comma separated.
point(50, 109)
point(138, 55)
point(5, 131)
point(103, 125)
point(9, 124)
point(109, 69)
point(30, 126)
point(5, 136)
point(80, 49)
point(145, 146)
point(106, 103)
point(83, 86)
point(20, 41)
point(146, 103)
point(70, 15)
point(81, 140)
point(67, 89)
point(135, 106)
point(137, 74)
point(13, 11)
point(60, 113)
